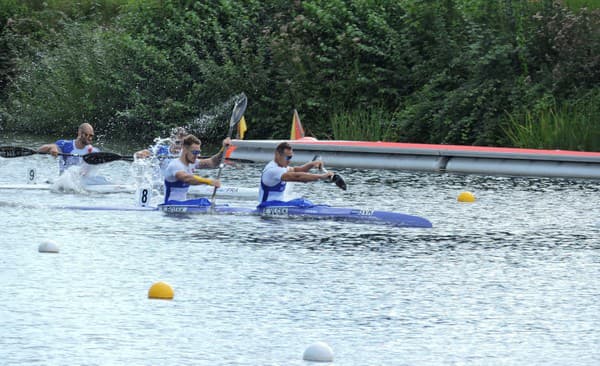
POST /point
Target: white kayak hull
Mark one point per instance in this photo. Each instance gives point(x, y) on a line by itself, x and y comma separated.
point(224, 192)
point(194, 191)
point(100, 188)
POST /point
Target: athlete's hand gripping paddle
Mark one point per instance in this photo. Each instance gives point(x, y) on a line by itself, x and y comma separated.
point(336, 178)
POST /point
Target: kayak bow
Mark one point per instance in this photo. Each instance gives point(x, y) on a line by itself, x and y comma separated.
point(314, 212)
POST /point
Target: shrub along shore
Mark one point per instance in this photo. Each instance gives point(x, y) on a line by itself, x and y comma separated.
point(496, 73)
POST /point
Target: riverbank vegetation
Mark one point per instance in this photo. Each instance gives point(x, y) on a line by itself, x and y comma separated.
point(498, 73)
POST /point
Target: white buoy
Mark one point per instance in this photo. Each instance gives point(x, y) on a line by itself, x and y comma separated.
point(48, 246)
point(318, 352)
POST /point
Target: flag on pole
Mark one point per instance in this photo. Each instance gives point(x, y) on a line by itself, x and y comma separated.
point(297, 131)
point(241, 128)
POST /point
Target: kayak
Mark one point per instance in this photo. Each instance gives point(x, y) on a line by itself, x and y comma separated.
point(194, 191)
point(224, 192)
point(322, 212)
point(99, 188)
point(314, 212)
point(77, 207)
point(101, 208)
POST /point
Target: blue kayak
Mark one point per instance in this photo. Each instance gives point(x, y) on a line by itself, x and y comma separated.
point(314, 212)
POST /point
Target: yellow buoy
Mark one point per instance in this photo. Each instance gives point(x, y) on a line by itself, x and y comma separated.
point(161, 290)
point(466, 197)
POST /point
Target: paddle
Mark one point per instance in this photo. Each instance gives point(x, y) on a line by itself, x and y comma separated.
point(92, 158)
point(336, 178)
point(17, 151)
point(104, 157)
point(107, 157)
point(236, 115)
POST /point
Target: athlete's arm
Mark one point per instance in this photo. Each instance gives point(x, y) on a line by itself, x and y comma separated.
point(308, 166)
point(293, 176)
point(196, 180)
point(49, 148)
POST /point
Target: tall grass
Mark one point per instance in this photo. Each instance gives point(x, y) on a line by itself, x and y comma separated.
point(577, 4)
point(568, 126)
point(372, 124)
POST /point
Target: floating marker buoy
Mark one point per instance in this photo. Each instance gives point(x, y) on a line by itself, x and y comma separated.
point(466, 197)
point(48, 246)
point(318, 352)
point(161, 290)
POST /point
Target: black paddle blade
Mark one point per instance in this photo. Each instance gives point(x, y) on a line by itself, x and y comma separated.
point(15, 151)
point(238, 110)
point(339, 181)
point(103, 157)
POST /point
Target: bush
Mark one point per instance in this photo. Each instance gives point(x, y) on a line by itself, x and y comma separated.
point(441, 72)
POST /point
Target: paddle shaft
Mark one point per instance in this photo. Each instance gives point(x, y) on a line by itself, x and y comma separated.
point(104, 157)
point(91, 158)
point(236, 115)
point(214, 194)
point(17, 152)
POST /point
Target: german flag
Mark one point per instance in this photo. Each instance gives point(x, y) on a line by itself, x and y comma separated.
point(297, 131)
point(241, 128)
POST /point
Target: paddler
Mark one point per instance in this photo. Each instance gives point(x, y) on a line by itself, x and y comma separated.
point(168, 152)
point(179, 173)
point(277, 173)
point(82, 145)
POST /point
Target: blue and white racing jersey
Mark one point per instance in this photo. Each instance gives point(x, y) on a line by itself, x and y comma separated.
point(272, 188)
point(176, 190)
point(68, 147)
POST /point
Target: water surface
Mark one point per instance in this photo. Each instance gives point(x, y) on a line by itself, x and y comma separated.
point(509, 279)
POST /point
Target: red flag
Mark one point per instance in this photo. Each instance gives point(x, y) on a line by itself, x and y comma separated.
point(297, 131)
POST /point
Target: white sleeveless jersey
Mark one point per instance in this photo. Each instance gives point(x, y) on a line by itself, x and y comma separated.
point(176, 190)
point(68, 147)
point(272, 188)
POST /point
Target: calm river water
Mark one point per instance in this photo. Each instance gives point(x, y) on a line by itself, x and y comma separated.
point(509, 279)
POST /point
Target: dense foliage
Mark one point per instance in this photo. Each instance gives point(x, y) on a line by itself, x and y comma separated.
point(447, 71)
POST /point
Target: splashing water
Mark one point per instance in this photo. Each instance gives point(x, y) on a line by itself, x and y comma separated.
point(159, 143)
point(147, 172)
point(147, 175)
point(213, 124)
point(143, 171)
point(158, 161)
point(76, 178)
